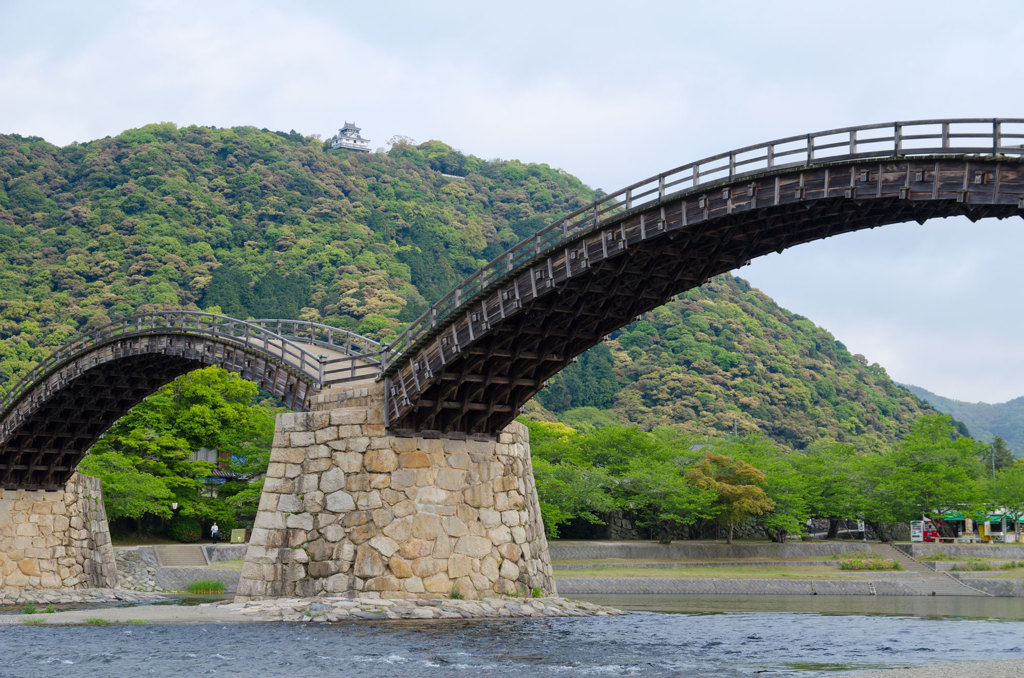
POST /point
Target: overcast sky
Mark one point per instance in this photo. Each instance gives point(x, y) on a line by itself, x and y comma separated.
point(610, 92)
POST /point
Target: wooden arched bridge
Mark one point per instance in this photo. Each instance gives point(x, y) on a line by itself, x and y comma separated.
point(469, 363)
point(51, 417)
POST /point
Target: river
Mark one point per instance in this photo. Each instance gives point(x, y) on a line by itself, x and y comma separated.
point(710, 637)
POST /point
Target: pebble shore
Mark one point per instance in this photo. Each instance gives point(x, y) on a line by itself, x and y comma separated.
point(327, 609)
point(74, 596)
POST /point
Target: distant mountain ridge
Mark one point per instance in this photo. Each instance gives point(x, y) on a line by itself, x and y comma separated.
point(985, 421)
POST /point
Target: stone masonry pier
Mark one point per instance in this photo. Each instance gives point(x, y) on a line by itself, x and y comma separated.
point(56, 539)
point(348, 509)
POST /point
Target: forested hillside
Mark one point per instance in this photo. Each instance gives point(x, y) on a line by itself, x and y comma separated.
point(249, 222)
point(257, 223)
point(985, 421)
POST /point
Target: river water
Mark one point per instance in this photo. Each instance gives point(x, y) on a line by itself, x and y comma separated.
point(710, 637)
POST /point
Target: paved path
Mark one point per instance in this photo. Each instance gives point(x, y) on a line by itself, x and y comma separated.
point(928, 582)
point(181, 555)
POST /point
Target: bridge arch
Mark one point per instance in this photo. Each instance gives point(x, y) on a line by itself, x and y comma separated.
point(470, 362)
point(51, 417)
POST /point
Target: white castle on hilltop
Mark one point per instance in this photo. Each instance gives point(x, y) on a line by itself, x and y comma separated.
point(348, 137)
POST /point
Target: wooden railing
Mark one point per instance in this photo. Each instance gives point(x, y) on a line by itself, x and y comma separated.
point(963, 136)
point(281, 339)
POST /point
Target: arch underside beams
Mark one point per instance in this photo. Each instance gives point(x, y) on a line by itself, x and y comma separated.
point(45, 436)
point(475, 373)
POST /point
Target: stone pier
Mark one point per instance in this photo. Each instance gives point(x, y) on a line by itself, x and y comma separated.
point(348, 509)
point(54, 540)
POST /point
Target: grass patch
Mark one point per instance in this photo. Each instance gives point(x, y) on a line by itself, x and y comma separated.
point(30, 608)
point(206, 586)
point(136, 621)
point(227, 565)
point(456, 594)
point(973, 566)
point(870, 562)
point(34, 621)
point(739, 572)
point(96, 621)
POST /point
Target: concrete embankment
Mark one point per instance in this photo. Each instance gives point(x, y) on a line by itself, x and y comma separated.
point(914, 579)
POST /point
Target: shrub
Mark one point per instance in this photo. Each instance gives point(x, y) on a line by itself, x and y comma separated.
point(868, 562)
point(206, 586)
point(537, 592)
point(457, 594)
point(972, 566)
point(184, 529)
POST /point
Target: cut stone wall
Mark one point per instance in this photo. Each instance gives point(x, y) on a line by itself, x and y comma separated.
point(348, 509)
point(53, 540)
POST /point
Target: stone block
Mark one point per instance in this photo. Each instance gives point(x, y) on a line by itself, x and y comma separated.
point(361, 534)
point(489, 569)
point(474, 547)
point(416, 548)
point(432, 495)
point(414, 459)
point(400, 567)
point(385, 545)
point(479, 496)
point(333, 533)
point(459, 565)
point(368, 500)
point(402, 479)
point(358, 482)
point(354, 518)
point(438, 583)
point(288, 503)
point(324, 434)
point(288, 455)
point(414, 585)
point(426, 526)
point(509, 570)
point(302, 438)
point(380, 481)
point(313, 502)
point(451, 479)
point(399, 530)
point(332, 480)
point(358, 444)
point(300, 521)
point(318, 465)
point(500, 534)
point(349, 462)
point(454, 526)
point(348, 416)
point(340, 502)
point(368, 562)
point(510, 552)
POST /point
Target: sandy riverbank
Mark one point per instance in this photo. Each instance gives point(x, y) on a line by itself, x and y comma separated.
point(1012, 668)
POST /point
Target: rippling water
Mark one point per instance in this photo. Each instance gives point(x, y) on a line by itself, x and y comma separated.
point(721, 644)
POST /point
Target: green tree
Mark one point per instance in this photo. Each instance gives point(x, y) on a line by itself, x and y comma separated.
point(737, 487)
point(660, 497)
point(127, 491)
point(932, 471)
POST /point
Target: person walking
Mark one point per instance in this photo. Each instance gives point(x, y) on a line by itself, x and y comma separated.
point(215, 533)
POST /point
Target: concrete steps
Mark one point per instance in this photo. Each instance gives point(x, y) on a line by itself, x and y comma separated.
point(928, 582)
point(181, 555)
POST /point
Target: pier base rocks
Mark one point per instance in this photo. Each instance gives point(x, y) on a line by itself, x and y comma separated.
point(56, 540)
point(348, 509)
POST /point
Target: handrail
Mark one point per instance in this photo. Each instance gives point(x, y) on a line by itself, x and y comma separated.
point(176, 322)
point(349, 343)
point(981, 136)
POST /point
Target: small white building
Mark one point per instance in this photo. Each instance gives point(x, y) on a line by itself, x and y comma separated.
point(348, 137)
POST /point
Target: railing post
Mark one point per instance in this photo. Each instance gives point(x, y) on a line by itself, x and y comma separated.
point(945, 135)
point(810, 149)
point(732, 164)
point(996, 133)
point(897, 138)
